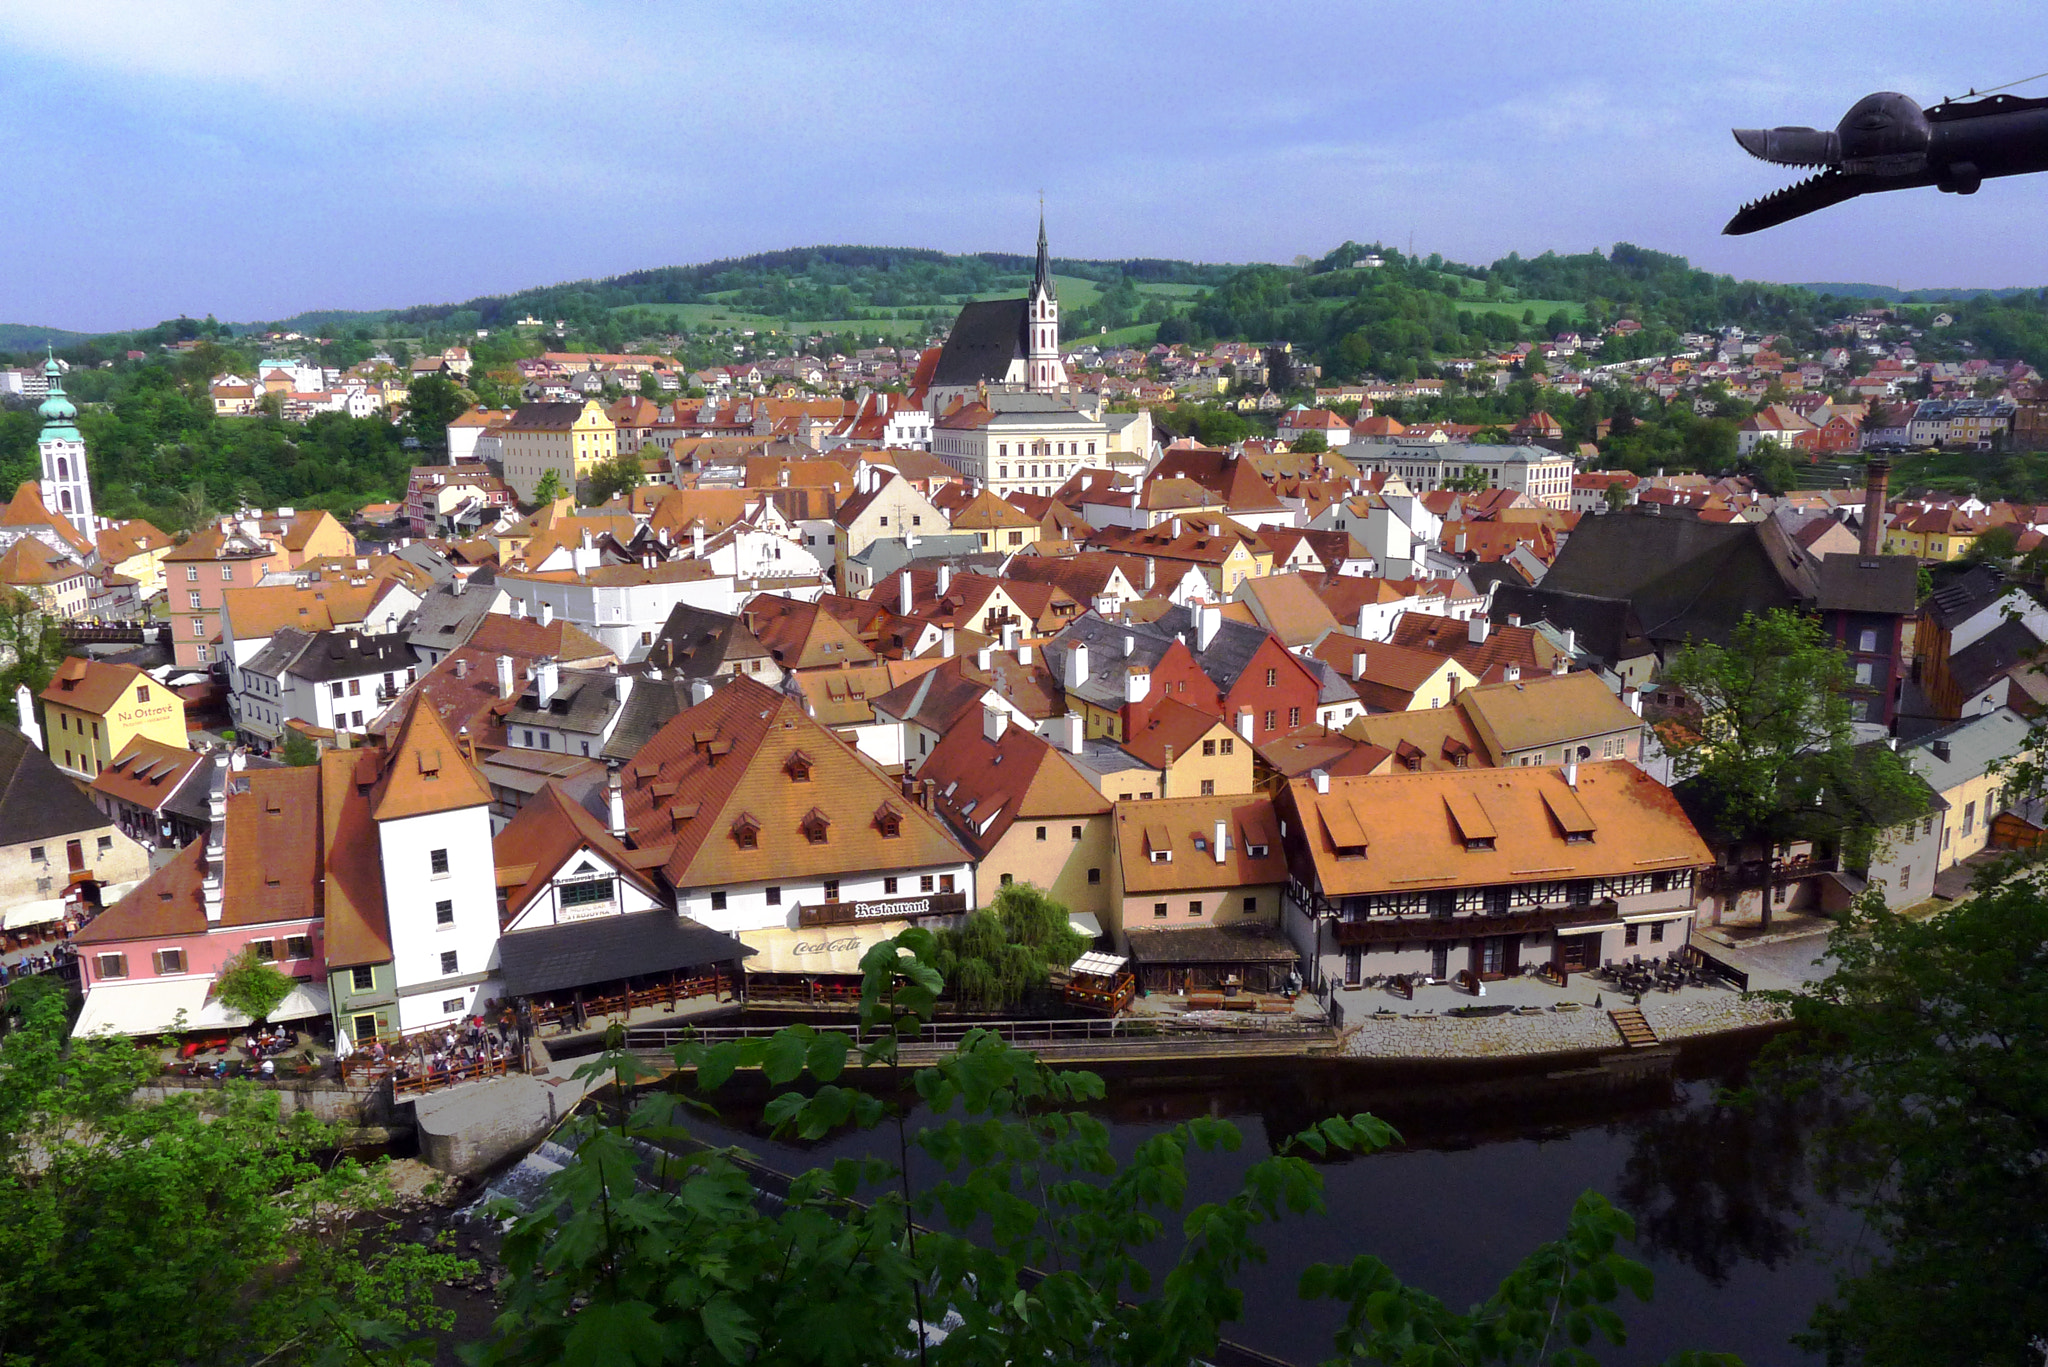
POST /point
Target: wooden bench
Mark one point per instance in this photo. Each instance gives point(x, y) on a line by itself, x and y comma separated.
point(1207, 1001)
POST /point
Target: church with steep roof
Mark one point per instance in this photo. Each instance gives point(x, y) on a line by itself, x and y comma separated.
point(1002, 344)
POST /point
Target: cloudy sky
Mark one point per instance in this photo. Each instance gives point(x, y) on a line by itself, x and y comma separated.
point(253, 160)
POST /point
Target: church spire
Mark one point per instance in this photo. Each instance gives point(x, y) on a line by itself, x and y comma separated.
point(1042, 280)
point(1042, 367)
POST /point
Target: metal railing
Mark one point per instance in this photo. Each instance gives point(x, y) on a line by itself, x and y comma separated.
point(1077, 1038)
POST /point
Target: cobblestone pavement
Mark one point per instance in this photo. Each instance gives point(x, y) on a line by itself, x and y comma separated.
point(1674, 1016)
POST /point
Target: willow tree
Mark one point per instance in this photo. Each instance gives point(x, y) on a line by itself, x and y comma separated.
point(993, 959)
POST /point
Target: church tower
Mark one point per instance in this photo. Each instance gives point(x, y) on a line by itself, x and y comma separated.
point(1046, 372)
point(66, 488)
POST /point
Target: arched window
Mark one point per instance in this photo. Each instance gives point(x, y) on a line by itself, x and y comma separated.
point(65, 498)
point(63, 467)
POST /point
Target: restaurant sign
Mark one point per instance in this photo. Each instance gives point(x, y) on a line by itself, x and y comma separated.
point(890, 909)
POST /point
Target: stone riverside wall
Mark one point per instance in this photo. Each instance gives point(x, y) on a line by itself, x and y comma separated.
point(470, 1129)
point(329, 1101)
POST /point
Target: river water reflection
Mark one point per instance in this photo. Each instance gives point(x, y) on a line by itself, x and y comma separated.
point(1728, 1218)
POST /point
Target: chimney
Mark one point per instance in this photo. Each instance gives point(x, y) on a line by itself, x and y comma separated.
point(946, 643)
point(1562, 664)
point(615, 794)
point(1130, 645)
point(519, 609)
point(994, 721)
point(1358, 665)
point(547, 677)
point(1321, 778)
point(1024, 653)
point(1876, 475)
point(1208, 621)
point(1941, 751)
point(700, 691)
point(983, 659)
point(507, 680)
point(1245, 723)
point(547, 614)
point(1077, 665)
point(1137, 683)
point(697, 542)
point(1010, 634)
point(1220, 844)
point(945, 580)
point(1571, 774)
point(1571, 641)
point(1514, 619)
point(1477, 629)
point(1075, 732)
point(1151, 574)
point(1176, 529)
point(622, 684)
point(1632, 699)
point(459, 583)
point(1512, 673)
point(461, 668)
point(903, 596)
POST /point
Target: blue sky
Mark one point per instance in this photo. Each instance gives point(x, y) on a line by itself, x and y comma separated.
point(253, 160)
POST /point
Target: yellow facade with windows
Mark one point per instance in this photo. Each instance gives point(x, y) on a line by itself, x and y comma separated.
point(92, 709)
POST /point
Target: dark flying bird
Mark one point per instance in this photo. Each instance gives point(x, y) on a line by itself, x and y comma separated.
point(1888, 142)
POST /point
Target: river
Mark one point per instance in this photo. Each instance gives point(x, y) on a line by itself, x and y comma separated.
point(1728, 1218)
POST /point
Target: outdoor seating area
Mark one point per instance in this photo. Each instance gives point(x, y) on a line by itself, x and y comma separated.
point(440, 1056)
point(577, 1011)
point(275, 1053)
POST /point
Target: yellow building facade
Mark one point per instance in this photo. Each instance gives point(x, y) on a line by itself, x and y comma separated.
point(92, 709)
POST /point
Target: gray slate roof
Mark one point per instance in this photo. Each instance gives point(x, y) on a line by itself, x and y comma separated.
point(1686, 579)
point(1974, 745)
point(1224, 661)
point(648, 708)
point(608, 948)
point(1879, 584)
point(350, 655)
point(36, 801)
point(584, 700)
point(445, 620)
point(986, 337)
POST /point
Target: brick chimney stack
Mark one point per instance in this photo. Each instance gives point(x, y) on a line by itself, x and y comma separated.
point(1878, 475)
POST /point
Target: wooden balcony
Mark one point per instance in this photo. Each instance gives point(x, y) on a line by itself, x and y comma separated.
point(1751, 873)
point(883, 909)
point(1524, 921)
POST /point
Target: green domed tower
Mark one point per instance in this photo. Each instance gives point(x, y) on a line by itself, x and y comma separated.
point(66, 487)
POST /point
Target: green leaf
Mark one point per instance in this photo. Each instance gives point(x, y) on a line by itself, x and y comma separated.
point(729, 1327)
point(826, 1057)
point(782, 1061)
point(614, 1334)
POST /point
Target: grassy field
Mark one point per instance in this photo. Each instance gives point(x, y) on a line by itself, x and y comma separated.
point(1074, 291)
point(1138, 334)
point(1163, 291)
point(704, 315)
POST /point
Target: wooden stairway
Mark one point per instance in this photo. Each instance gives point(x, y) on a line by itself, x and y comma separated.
point(1635, 1030)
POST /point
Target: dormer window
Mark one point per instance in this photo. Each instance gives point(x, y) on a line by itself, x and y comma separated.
point(1479, 843)
point(889, 821)
point(746, 831)
point(816, 826)
point(798, 767)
